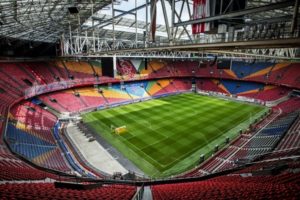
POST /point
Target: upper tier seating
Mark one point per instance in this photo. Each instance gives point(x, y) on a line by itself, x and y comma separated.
point(42, 71)
point(247, 70)
point(76, 70)
point(16, 75)
point(239, 87)
point(182, 68)
point(160, 69)
point(127, 70)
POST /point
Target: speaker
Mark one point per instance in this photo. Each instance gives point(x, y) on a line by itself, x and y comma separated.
point(73, 10)
point(146, 64)
point(107, 66)
point(214, 61)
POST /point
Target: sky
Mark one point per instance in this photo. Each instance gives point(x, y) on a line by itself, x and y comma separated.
point(130, 4)
point(141, 14)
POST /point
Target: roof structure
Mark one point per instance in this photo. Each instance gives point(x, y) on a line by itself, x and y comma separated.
point(44, 20)
point(98, 26)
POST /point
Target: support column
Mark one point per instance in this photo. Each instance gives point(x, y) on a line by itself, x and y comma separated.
point(146, 33)
point(172, 21)
point(166, 19)
point(113, 24)
point(136, 35)
point(115, 64)
point(153, 20)
point(295, 17)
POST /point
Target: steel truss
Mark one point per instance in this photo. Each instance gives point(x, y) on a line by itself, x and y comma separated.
point(260, 37)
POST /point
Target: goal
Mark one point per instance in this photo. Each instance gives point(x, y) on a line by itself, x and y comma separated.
point(120, 130)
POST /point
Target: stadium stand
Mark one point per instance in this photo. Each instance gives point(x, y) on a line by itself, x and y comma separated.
point(212, 85)
point(290, 77)
point(182, 68)
point(164, 86)
point(149, 100)
point(42, 72)
point(30, 126)
point(34, 148)
point(73, 100)
point(270, 93)
point(182, 85)
point(292, 138)
point(247, 70)
point(48, 191)
point(290, 105)
point(136, 90)
point(160, 69)
point(232, 187)
point(241, 88)
point(15, 72)
point(238, 87)
point(114, 94)
point(68, 67)
point(13, 169)
point(127, 70)
point(29, 134)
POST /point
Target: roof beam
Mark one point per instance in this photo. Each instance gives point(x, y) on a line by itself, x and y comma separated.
point(120, 15)
point(239, 13)
point(252, 44)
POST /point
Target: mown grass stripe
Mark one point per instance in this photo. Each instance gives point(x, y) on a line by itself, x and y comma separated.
point(164, 132)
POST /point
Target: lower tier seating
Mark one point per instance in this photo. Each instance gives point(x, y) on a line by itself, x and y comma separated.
point(290, 105)
point(45, 191)
point(12, 168)
point(241, 88)
point(231, 187)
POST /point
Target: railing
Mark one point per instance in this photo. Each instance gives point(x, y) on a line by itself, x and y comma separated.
point(139, 194)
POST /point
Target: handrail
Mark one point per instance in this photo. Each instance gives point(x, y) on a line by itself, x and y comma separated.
point(139, 193)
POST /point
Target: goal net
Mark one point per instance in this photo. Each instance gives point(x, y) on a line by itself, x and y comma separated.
point(120, 130)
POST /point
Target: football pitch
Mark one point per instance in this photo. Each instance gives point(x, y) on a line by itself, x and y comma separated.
point(166, 136)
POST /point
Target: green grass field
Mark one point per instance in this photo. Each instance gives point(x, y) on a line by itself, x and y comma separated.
point(166, 136)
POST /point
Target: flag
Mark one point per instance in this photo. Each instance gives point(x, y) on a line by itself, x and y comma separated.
point(201, 9)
